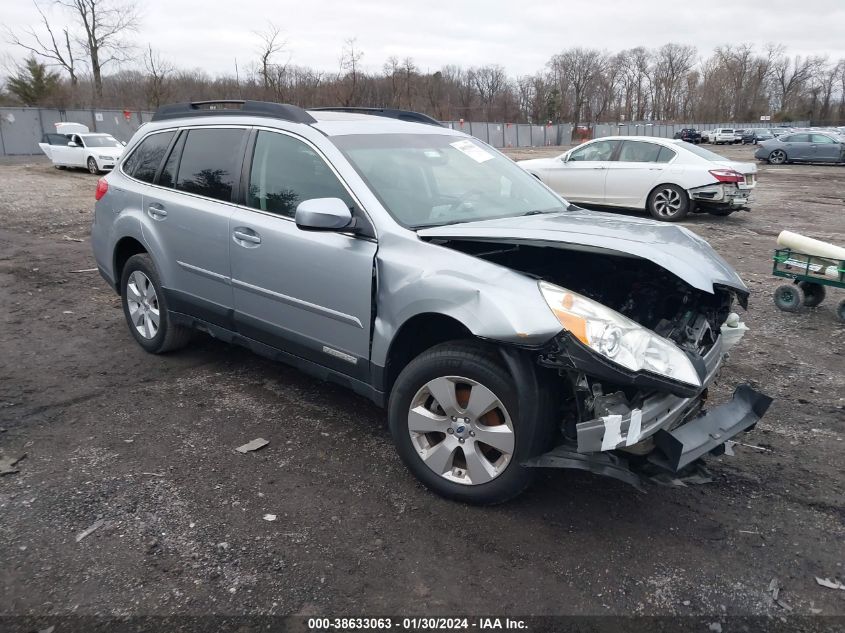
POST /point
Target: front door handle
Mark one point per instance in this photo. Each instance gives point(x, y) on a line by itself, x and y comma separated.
point(156, 211)
point(246, 237)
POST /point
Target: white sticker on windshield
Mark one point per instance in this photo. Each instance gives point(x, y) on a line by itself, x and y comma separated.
point(472, 150)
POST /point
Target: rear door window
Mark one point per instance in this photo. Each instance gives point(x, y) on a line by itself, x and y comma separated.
point(797, 138)
point(822, 139)
point(146, 158)
point(211, 162)
point(639, 152)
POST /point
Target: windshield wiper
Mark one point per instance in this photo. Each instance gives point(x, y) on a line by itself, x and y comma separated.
point(542, 211)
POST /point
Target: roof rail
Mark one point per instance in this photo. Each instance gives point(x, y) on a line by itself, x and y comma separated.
point(391, 113)
point(233, 107)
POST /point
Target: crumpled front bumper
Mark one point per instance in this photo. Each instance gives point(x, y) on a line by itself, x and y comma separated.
point(705, 434)
point(668, 430)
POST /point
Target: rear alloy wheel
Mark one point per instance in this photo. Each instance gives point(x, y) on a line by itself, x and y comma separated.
point(145, 308)
point(92, 165)
point(789, 297)
point(814, 293)
point(777, 157)
point(668, 203)
point(454, 417)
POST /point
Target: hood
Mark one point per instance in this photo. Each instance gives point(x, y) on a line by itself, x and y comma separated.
point(114, 152)
point(674, 248)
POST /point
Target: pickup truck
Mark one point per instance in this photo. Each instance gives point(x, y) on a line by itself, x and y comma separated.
point(689, 135)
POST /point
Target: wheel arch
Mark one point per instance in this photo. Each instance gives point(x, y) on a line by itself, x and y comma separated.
point(125, 248)
point(417, 334)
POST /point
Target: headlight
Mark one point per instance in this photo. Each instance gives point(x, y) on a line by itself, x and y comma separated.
point(617, 337)
point(108, 158)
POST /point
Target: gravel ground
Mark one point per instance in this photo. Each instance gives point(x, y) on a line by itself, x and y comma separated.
point(144, 445)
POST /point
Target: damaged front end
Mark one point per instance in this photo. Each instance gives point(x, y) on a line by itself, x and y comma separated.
point(647, 411)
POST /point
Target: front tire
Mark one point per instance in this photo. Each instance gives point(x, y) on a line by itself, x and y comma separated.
point(145, 308)
point(668, 203)
point(455, 420)
point(92, 166)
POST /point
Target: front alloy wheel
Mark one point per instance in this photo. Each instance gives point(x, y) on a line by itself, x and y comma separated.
point(92, 165)
point(454, 417)
point(461, 430)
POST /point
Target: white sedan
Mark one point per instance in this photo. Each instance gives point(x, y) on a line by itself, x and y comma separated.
point(95, 152)
point(667, 177)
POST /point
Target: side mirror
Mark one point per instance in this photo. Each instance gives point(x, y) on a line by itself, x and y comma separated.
point(324, 214)
point(72, 144)
point(564, 158)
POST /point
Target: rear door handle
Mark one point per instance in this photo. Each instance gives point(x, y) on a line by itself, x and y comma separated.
point(246, 237)
point(156, 212)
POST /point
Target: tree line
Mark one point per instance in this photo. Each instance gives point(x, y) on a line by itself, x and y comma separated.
point(95, 62)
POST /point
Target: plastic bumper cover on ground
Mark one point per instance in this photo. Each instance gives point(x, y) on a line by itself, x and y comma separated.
point(682, 446)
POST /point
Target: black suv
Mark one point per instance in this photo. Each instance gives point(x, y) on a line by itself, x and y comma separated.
point(689, 135)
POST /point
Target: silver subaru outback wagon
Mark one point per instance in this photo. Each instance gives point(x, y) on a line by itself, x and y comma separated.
point(502, 328)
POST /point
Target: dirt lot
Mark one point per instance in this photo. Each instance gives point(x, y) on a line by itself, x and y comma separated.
point(146, 443)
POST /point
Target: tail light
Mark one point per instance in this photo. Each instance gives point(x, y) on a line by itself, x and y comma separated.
point(727, 175)
point(102, 188)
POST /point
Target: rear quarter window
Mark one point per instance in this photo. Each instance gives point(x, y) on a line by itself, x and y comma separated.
point(144, 161)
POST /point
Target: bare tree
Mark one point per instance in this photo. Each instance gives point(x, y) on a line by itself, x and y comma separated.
point(350, 60)
point(104, 25)
point(269, 46)
point(578, 67)
point(158, 70)
point(59, 51)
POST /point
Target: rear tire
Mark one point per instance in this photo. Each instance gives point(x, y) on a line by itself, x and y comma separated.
point(814, 293)
point(668, 203)
point(145, 308)
point(777, 157)
point(434, 419)
point(789, 297)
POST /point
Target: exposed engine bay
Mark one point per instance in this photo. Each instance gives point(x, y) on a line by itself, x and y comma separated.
point(634, 287)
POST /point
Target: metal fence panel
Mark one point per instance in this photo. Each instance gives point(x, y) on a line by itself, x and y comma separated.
point(20, 131)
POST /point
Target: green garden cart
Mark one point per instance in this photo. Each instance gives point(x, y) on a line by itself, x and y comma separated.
point(810, 274)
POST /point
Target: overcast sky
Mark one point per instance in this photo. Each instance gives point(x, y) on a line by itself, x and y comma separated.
point(521, 36)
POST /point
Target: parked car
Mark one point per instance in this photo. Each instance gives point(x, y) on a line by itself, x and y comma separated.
point(503, 328)
point(95, 152)
point(755, 135)
point(689, 135)
point(738, 133)
point(808, 147)
point(667, 178)
point(719, 136)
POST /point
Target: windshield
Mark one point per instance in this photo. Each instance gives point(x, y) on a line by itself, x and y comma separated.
point(703, 153)
point(435, 179)
point(101, 141)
